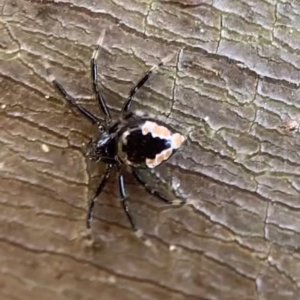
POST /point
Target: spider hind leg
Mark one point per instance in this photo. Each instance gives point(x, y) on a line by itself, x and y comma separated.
point(142, 81)
point(153, 191)
point(124, 200)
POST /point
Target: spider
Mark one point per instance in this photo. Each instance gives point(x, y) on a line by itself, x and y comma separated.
point(135, 141)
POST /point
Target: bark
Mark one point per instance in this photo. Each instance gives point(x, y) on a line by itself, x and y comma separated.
point(232, 89)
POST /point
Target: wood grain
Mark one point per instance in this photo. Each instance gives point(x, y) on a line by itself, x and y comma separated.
point(232, 89)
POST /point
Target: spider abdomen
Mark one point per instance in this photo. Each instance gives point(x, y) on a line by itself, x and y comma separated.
point(146, 144)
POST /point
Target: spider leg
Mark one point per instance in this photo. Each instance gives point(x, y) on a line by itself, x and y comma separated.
point(124, 200)
point(94, 73)
point(152, 190)
point(89, 217)
point(70, 100)
point(142, 81)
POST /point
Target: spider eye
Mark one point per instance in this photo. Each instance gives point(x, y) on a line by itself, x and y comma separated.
point(101, 128)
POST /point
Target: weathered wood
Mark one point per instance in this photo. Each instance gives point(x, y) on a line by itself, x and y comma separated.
point(232, 86)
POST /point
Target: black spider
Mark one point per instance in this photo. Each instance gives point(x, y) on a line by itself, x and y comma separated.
point(133, 140)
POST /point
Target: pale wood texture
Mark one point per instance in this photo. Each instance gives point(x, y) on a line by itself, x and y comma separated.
point(232, 87)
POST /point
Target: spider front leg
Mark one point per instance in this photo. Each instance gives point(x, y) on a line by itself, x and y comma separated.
point(94, 73)
point(124, 200)
point(142, 81)
point(89, 217)
point(152, 190)
point(70, 100)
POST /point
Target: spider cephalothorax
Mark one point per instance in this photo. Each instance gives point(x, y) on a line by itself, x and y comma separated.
point(134, 140)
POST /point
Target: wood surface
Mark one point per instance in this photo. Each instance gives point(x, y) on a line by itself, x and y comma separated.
point(232, 89)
